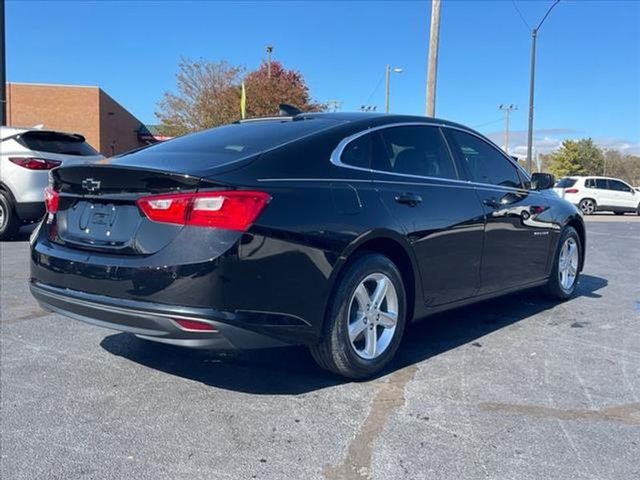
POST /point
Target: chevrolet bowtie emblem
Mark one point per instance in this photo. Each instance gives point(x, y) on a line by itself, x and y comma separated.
point(91, 185)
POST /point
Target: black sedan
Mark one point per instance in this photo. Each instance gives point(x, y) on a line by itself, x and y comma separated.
point(329, 230)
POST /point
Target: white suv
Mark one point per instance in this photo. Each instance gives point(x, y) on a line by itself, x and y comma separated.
point(26, 156)
point(596, 194)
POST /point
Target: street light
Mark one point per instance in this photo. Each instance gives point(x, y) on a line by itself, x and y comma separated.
point(507, 109)
point(534, 36)
point(388, 78)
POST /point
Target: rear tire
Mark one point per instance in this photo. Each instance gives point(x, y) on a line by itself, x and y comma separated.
point(363, 330)
point(9, 221)
point(588, 206)
point(566, 266)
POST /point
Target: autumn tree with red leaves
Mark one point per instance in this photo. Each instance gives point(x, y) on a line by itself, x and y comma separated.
point(265, 93)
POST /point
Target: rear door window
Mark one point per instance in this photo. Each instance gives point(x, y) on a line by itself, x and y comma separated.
point(412, 150)
point(483, 162)
point(56, 142)
point(602, 183)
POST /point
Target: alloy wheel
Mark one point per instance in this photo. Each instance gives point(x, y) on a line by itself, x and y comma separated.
point(587, 207)
point(568, 264)
point(373, 316)
point(3, 216)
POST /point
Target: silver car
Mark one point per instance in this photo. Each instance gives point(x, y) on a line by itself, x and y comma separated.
point(26, 156)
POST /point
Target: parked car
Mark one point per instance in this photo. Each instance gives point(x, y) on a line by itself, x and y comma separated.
point(329, 230)
point(26, 156)
point(599, 194)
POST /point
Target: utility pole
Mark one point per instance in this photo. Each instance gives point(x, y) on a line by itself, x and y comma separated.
point(3, 71)
point(334, 105)
point(432, 69)
point(507, 109)
point(269, 51)
point(534, 37)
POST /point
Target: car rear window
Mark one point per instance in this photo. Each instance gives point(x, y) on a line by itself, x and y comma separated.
point(229, 143)
point(566, 182)
point(56, 142)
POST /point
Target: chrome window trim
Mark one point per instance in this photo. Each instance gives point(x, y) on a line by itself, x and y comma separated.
point(441, 183)
point(337, 153)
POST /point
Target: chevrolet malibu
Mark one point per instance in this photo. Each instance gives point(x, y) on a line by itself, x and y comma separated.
point(328, 230)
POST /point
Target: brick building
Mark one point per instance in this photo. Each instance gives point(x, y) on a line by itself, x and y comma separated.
point(106, 124)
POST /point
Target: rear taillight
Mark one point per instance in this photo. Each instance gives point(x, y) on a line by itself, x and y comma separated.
point(51, 199)
point(231, 210)
point(571, 190)
point(35, 163)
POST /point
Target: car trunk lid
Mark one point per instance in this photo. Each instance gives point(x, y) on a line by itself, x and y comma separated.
point(98, 210)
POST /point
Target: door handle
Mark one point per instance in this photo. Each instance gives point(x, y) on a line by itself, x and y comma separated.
point(411, 199)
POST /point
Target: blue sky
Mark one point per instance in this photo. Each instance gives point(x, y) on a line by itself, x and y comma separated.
point(588, 69)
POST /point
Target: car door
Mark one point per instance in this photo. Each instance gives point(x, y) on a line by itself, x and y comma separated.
point(420, 185)
point(603, 194)
point(623, 195)
point(518, 221)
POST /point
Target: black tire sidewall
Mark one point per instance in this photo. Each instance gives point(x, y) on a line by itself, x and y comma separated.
point(338, 319)
point(11, 224)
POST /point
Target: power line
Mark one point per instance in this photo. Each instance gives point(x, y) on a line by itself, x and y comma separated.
point(375, 89)
point(515, 5)
point(488, 123)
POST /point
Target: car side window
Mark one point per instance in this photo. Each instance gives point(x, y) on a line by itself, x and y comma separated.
point(590, 183)
point(619, 186)
point(482, 161)
point(601, 183)
point(412, 150)
point(357, 153)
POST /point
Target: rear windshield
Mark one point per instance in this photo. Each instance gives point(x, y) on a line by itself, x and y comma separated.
point(233, 142)
point(566, 182)
point(54, 142)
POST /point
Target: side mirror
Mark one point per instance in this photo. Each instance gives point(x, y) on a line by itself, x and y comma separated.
point(542, 181)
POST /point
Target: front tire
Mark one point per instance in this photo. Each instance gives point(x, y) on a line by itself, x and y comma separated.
point(9, 222)
point(365, 319)
point(588, 206)
point(566, 266)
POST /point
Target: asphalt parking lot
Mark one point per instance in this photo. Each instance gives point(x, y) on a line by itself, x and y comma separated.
point(515, 388)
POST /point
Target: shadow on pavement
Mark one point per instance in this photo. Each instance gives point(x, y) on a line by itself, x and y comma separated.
point(23, 234)
point(291, 370)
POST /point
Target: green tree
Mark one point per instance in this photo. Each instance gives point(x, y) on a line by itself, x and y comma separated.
point(577, 157)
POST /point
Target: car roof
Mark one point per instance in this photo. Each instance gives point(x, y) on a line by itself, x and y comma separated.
point(380, 118)
point(11, 131)
point(364, 119)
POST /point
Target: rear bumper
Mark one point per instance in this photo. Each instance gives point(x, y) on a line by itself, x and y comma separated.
point(152, 321)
